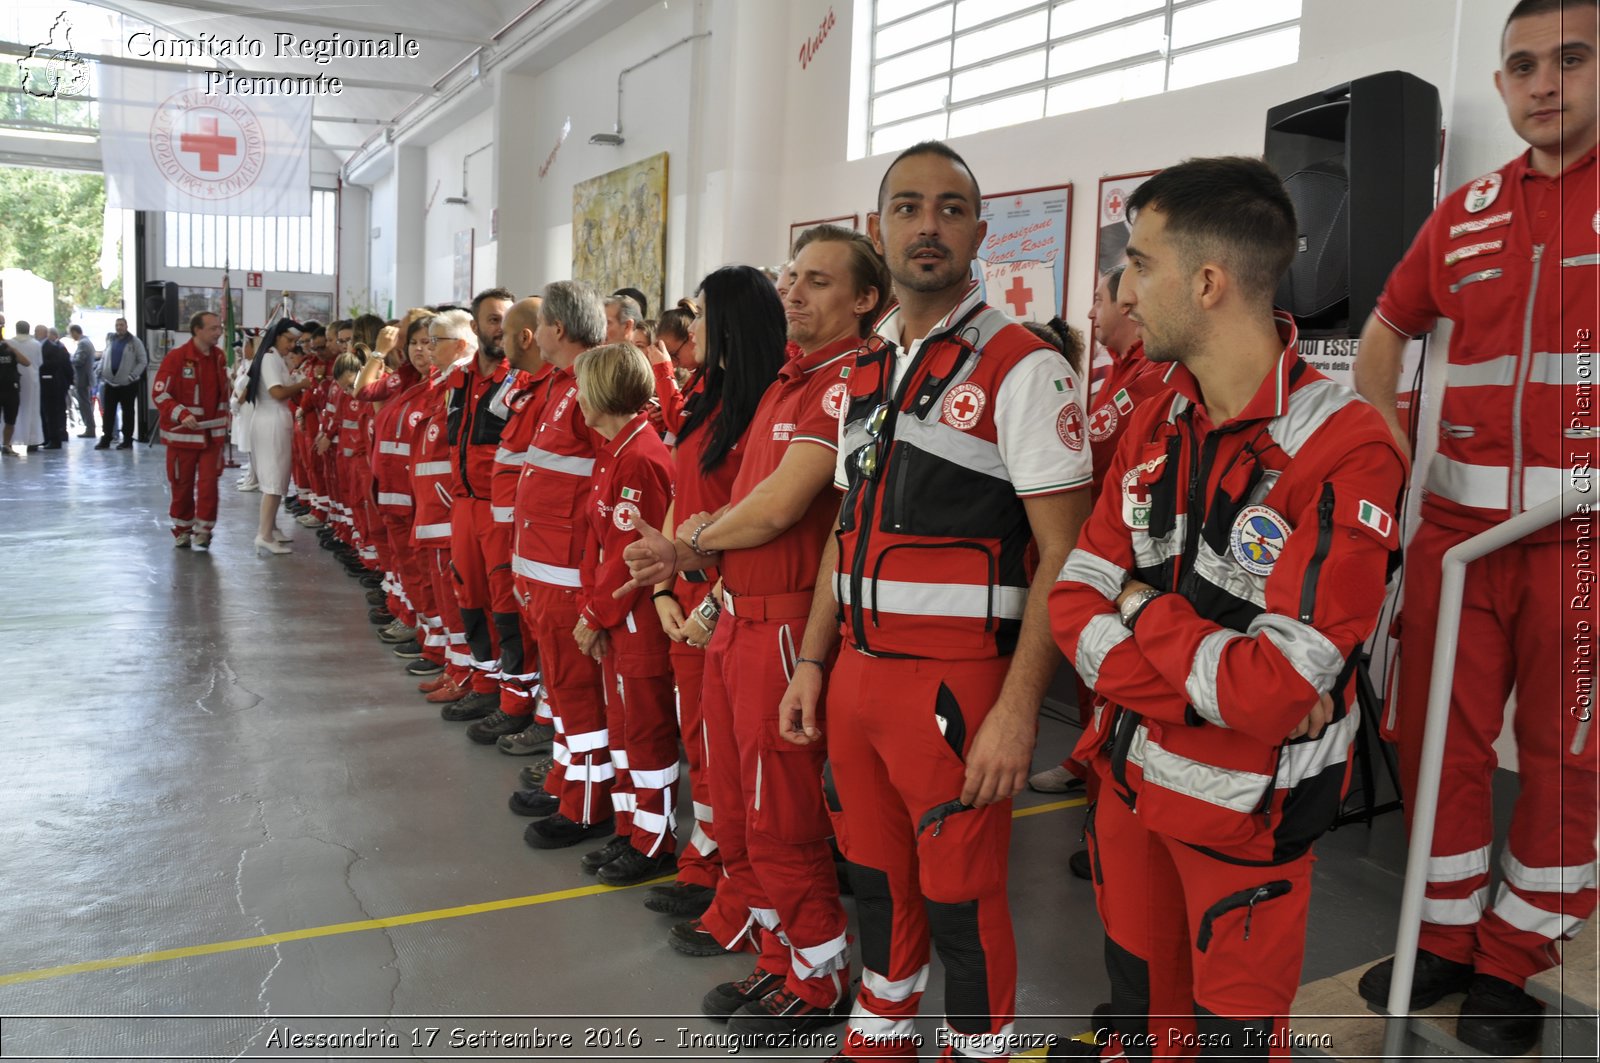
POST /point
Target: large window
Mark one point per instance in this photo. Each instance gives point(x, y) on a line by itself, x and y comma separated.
point(944, 68)
point(283, 245)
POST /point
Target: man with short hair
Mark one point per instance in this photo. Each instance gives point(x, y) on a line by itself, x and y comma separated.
point(191, 399)
point(622, 318)
point(83, 359)
point(121, 376)
point(1513, 259)
point(1217, 602)
point(961, 442)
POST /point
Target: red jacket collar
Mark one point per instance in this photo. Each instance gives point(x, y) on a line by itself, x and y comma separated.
point(1272, 397)
point(619, 442)
point(1522, 166)
point(804, 364)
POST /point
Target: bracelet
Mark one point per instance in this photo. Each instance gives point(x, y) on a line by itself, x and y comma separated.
point(694, 541)
point(811, 660)
point(661, 594)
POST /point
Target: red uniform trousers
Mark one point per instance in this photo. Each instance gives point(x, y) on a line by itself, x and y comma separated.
point(355, 477)
point(772, 825)
point(481, 551)
point(920, 863)
point(572, 685)
point(412, 590)
point(1517, 630)
point(192, 474)
point(699, 862)
point(1197, 944)
point(644, 755)
point(522, 594)
point(338, 502)
point(458, 662)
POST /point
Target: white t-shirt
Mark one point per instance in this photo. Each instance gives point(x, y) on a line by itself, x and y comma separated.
point(1038, 416)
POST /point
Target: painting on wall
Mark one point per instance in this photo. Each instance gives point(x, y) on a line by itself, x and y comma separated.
point(619, 229)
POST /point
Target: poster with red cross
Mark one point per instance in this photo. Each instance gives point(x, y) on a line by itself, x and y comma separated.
point(1111, 239)
point(1022, 263)
point(168, 144)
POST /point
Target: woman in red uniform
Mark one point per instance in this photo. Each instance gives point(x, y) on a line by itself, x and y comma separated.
point(719, 400)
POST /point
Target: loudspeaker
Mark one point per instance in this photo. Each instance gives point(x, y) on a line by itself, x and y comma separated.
point(1358, 161)
point(161, 305)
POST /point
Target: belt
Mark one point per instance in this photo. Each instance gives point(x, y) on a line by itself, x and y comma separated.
point(791, 606)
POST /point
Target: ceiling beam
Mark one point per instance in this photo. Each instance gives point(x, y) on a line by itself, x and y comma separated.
point(304, 17)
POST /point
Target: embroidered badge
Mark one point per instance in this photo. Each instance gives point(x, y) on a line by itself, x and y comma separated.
point(1064, 385)
point(1258, 537)
point(1136, 493)
point(1069, 426)
point(1103, 424)
point(1123, 400)
point(631, 495)
point(433, 432)
point(963, 405)
point(833, 399)
point(1473, 251)
point(415, 418)
point(625, 516)
point(1482, 193)
point(1478, 225)
point(1376, 518)
point(188, 371)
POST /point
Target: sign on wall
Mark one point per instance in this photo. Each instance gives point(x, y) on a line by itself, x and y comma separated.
point(843, 221)
point(1022, 264)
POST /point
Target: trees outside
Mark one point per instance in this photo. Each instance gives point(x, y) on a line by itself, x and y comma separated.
point(53, 221)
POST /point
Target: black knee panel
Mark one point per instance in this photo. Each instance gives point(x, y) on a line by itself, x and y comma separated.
point(875, 907)
point(1232, 1038)
point(509, 627)
point(954, 928)
point(475, 624)
point(1130, 999)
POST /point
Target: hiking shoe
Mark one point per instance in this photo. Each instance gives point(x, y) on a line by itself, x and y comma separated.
point(777, 1018)
point(534, 738)
point(1056, 780)
point(680, 898)
point(396, 633)
point(534, 803)
point(424, 667)
point(471, 707)
point(182, 542)
point(376, 598)
point(693, 939)
point(1435, 978)
point(595, 860)
point(535, 774)
point(1499, 1019)
point(632, 867)
point(495, 725)
point(379, 616)
point(729, 997)
point(410, 650)
point(558, 831)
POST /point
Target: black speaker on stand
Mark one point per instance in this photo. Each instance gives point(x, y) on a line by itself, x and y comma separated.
point(1358, 160)
point(161, 305)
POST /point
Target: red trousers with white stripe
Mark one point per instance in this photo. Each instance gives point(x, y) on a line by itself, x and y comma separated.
point(415, 593)
point(699, 862)
point(1520, 628)
point(1194, 951)
point(644, 754)
point(573, 688)
point(458, 662)
point(921, 864)
point(772, 825)
point(192, 474)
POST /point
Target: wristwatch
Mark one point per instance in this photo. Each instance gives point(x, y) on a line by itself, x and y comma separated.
point(709, 609)
point(1134, 604)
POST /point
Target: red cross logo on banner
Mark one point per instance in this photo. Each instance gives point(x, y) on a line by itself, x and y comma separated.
point(1019, 295)
point(208, 145)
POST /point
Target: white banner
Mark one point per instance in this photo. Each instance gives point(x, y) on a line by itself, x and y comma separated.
point(167, 144)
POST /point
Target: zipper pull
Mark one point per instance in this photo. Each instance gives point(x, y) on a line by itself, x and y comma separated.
point(1259, 895)
point(938, 825)
point(1538, 253)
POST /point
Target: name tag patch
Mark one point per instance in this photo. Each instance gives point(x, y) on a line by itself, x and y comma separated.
point(1488, 247)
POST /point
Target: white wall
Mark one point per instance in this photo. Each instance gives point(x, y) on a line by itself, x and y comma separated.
point(441, 221)
point(381, 225)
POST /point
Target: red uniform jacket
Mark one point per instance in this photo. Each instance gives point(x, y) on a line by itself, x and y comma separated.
point(193, 382)
point(1132, 380)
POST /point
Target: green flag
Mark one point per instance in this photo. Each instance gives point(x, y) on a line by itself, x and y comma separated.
point(228, 323)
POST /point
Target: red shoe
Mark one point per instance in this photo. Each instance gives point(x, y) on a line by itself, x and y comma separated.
point(447, 692)
point(428, 686)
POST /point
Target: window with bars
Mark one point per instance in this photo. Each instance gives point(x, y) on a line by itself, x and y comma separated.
point(945, 68)
point(281, 245)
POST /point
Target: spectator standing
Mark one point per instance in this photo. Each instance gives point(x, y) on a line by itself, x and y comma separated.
point(30, 430)
point(55, 386)
point(121, 373)
point(83, 359)
point(10, 390)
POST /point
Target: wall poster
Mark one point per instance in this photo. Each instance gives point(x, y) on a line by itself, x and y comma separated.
point(1022, 264)
point(843, 221)
point(619, 229)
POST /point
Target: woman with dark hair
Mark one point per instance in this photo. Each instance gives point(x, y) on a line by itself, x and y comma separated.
point(271, 386)
point(738, 342)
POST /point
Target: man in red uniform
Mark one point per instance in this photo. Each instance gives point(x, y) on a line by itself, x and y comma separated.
point(962, 439)
point(772, 824)
point(1513, 259)
point(556, 471)
point(483, 394)
point(191, 396)
point(1216, 600)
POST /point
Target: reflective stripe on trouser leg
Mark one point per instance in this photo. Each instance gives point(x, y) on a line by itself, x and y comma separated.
point(699, 861)
point(643, 724)
point(514, 696)
point(573, 683)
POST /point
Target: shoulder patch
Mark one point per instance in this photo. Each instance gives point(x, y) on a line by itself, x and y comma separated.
point(1374, 517)
point(625, 516)
point(1069, 426)
point(833, 399)
point(963, 405)
point(1482, 193)
point(1103, 423)
point(1258, 538)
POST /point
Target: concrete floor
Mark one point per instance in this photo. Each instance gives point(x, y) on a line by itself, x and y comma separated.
point(204, 749)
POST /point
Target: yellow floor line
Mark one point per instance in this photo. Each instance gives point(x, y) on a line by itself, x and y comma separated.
point(333, 929)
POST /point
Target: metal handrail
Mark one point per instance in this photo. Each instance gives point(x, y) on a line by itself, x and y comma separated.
point(1426, 809)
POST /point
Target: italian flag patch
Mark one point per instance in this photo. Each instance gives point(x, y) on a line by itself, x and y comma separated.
point(633, 496)
point(844, 372)
point(1375, 518)
point(1064, 385)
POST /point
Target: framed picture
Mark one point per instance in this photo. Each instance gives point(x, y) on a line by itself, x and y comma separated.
point(1022, 264)
point(1112, 237)
point(843, 221)
point(619, 229)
